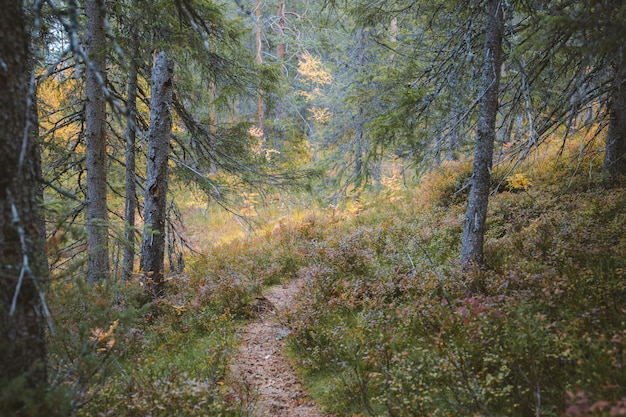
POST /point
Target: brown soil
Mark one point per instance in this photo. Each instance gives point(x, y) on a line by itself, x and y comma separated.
point(260, 373)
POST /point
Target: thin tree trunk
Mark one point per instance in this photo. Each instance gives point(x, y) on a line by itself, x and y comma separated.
point(22, 337)
point(131, 188)
point(95, 149)
point(281, 48)
point(359, 173)
point(476, 213)
point(453, 135)
point(153, 245)
point(259, 60)
point(359, 124)
point(41, 218)
point(212, 129)
point(615, 155)
point(393, 38)
point(42, 259)
point(170, 245)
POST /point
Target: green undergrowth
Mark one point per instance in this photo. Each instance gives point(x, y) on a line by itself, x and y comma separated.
point(388, 325)
point(116, 352)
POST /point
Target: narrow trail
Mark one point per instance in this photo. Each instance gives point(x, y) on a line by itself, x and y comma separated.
point(260, 372)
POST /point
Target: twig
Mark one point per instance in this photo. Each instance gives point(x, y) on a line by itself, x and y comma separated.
point(25, 268)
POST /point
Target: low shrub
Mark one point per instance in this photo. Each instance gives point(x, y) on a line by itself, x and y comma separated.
point(388, 325)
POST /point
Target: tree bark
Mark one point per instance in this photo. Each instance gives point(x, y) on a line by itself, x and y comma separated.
point(615, 154)
point(212, 130)
point(42, 255)
point(95, 147)
point(281, 48)
point(476, 213)
point(393, 38)
point(155, 198)
point(22, 338)
point(360, 145)
point(280, 32)
point(259, 60)
point(130, 207)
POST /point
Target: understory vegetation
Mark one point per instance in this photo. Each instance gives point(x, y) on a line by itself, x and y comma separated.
point(387, 324)
point(116, 351)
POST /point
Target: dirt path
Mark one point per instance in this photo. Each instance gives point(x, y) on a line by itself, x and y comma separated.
point(260, 372)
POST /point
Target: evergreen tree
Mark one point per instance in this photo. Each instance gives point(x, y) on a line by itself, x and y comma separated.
point(476, 213)
point(155, 198)
point(96, 143)
point(23, 346)
point(130, 132)
point(582, 65)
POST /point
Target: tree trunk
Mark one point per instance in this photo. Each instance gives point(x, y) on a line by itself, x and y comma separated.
point(360, 145)
point(213, 131)
point(615, 155)
point(95, 147)
point(393, 38)
point(22, 338)
point(359, 172)
point(259, 60)
point(476, 214)
point(453, 135)
point(42, 256)
point(130, 207)
point(359, 151)
point(42, 259)
point(281, 48)
point(155, 198)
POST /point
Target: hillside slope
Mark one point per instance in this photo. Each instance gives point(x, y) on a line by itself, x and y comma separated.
point(388, 325)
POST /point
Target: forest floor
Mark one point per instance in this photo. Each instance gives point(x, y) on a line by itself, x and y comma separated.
point(260, 372)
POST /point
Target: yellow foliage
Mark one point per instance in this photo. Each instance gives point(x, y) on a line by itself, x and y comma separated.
point(312, 95)
point(256, 132)
point(518, 182)
point(320, 114)
point(179, 309)
point(260, 148)
point(308, 96)
point(393, 181)
point(248, 209)
point(312, 70)
point(104, 337)
point(55, 93)
point(354, 208)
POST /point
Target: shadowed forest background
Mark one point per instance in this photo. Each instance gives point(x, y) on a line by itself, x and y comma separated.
point(446, 178)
